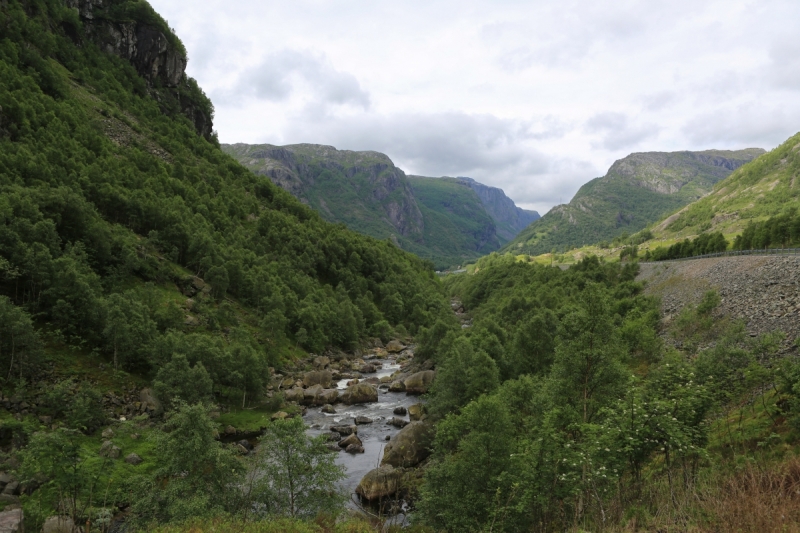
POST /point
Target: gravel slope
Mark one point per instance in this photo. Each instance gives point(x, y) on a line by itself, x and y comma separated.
point(763, 291)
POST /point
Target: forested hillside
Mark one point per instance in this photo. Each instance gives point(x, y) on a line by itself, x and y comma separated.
point(568, 405)
point(134, 251)
point(637, 191)
point(448, 221)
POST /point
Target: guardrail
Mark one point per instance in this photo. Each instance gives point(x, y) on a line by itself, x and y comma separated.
point(733, 253)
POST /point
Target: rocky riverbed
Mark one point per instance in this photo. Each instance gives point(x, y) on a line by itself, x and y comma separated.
point(368, 405)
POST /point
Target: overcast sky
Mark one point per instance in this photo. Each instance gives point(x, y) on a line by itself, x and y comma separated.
point(536, 97)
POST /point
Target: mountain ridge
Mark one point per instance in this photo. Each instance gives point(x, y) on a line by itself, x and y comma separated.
point(449, 221)
point(636, 191)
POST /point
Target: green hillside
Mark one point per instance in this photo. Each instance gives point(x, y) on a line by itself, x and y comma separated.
point(764, 188)
point(637, 190)
point(445, 223)
point(134, 252)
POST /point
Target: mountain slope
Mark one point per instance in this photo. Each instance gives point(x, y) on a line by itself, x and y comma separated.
point(509, 218)
point(636, 191)
point(449, 221)
point(763, 188)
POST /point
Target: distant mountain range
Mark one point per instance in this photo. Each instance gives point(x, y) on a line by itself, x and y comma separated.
point(447, 220)
point(637, 190)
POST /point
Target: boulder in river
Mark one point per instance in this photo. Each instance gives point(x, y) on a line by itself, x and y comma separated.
point(420, 382)
point(361, 420)
point(416, 411)
point(400, 410)
point(368, 369)
point(398, 422)
point(318, 377)
point(395, 346)
point(328, 409)
point(410, 446)
point(354, 449)
point(321, 362)
point(360, 393)
point(350, 439)
point(344, 430)
point(397, 386)
point(380, 483)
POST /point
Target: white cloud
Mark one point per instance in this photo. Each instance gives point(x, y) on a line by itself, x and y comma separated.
point(532, 96)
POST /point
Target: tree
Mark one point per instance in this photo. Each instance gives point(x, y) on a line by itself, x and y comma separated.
point(196, 475)
point(129, 331)
point(20, 345)
point(177, 382)
point(295, 475)
point(465, 374)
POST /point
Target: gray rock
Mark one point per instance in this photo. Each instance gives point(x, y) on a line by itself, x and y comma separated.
point(361, 420)
point(5, 479)
point(350, 439)
point(59, 524)
point(368, 369)
point(321, 362)
point(409, 447)
point(400, 410)
point(395, 346)
point(150, 401)
point(380, 483)
point(133, 459)
point(344, 430)
point(318, 377)
point(12, 521)
point(328, 409)
point(244, 443)
point(397, 386)
point(360, 393)
point(398, 422)
point(108, 433)
point(12, 488)
point(416, 412)
point(420, 382)
point(354, 449)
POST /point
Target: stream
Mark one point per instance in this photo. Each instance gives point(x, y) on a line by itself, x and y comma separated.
point(373, 436)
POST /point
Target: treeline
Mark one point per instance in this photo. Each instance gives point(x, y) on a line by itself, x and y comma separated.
point(561, 408)
point(109, 207)
point(782, 231)
point(707, 243)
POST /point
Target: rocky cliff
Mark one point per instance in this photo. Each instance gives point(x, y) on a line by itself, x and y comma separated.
point(509, 218)
point(133, 31)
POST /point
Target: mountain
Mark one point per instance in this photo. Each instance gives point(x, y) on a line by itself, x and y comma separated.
point(765, 187)
point(636, 191)
point(447, 220)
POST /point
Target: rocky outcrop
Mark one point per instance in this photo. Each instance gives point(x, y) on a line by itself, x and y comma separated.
point(12, 521)
point(153, 50)
point(410, 446)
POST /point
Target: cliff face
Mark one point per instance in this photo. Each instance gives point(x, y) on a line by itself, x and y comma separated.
point(135, 33)
point(509, 218)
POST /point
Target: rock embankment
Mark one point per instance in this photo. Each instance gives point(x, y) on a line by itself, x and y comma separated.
point(762, 291)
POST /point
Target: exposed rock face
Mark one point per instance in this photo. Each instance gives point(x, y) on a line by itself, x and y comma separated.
point(323, 378)
point(509, 218)
point(153, 54)
point(410, 446)
point(12, 521)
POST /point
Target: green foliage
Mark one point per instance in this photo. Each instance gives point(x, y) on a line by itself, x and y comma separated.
point(780, 231)
point(294, 475)
point(177, 382)
point(196, 475)
point(80, 406)
point(707, 243)
point(20, 345)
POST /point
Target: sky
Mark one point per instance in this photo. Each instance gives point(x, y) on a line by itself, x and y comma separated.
point(535, 97)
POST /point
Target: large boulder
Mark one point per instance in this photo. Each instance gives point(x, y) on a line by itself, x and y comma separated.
point(311, 393)
point(380, 483)
point(318, 377)
point(316, 395)
point(416, 411)
point(350, 439)
point(321, 362)
point(395, 346)
point(59, 524)
point(12, 521)
point(360, 393)
point(420, 382)
point(150, 401)
point(294, 395)
point(410, 446)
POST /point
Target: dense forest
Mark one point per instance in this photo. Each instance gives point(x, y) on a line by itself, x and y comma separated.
point(781, 231)
point(707, 243)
